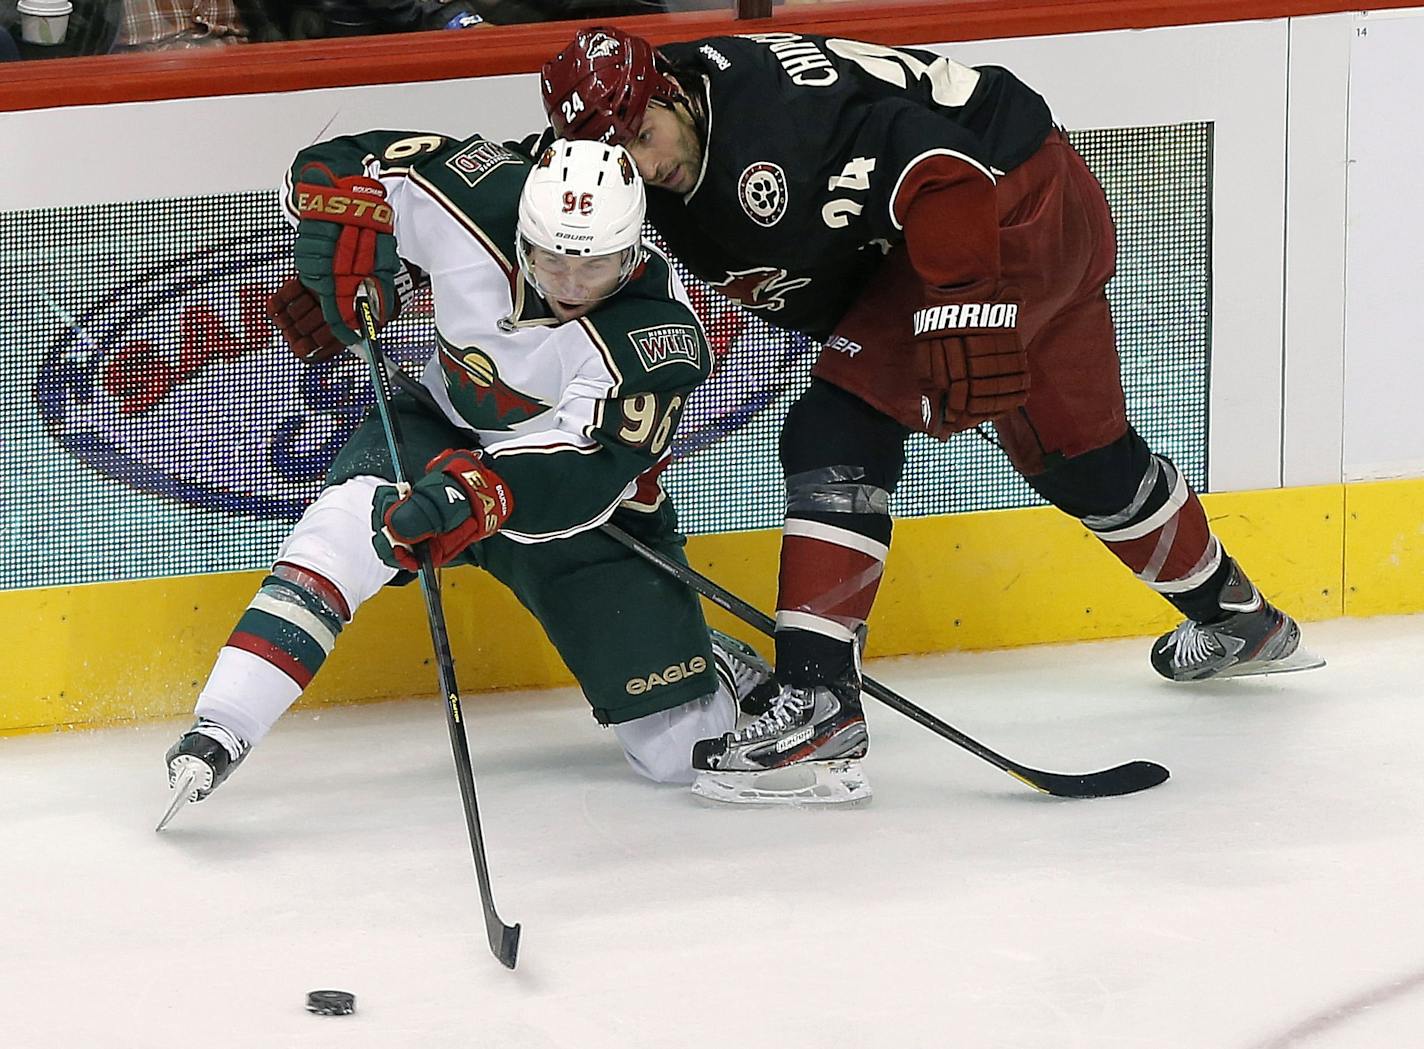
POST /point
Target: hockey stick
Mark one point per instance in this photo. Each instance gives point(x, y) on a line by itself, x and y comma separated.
point(1120, 779)
point(503, 939)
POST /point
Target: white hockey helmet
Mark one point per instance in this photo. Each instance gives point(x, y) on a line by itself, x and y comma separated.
point(582, 202)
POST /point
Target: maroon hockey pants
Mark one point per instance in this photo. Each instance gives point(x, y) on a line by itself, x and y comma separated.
point(1058, 249)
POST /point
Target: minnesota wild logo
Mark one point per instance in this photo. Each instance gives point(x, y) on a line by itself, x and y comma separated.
point(479, 394)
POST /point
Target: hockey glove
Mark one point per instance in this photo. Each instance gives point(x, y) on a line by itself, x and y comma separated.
point(459, 501)
point(970, 363)
point(345, 237)
point(296, 311)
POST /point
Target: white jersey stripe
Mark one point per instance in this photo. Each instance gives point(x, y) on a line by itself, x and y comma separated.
point(462, 219)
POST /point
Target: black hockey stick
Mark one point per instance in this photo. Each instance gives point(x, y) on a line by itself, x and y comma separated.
point(503, 939)
point(1120, 779)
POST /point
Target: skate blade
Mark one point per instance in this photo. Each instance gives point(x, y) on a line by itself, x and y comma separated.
point(803, 783)
point(185, 789)
point(1300, 659)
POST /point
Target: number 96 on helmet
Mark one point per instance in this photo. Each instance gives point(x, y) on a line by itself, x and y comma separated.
point(580, 224)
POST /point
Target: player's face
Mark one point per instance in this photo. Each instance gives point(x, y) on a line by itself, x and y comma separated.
point(666, 149)
point(574, 286)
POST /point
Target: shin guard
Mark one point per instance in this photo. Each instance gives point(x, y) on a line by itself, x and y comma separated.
point(280, 642)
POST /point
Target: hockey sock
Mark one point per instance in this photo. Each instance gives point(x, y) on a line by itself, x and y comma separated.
point(1163, 536)
point(833, 550)
point(292, 623)
point(659, 745)
point(278, 645)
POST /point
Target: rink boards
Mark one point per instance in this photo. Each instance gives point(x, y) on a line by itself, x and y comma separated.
point(117, 651)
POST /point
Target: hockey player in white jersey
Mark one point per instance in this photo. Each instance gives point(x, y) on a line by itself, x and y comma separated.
point(566, 352)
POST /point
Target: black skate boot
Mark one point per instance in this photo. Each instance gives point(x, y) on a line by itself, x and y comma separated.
point(198, 763)
point(805, 749)
point(1251, 636)
point(743, 673)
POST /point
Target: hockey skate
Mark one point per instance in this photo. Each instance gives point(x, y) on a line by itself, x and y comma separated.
point(1253, 637)
point(743, 673)
point(198, 763)
point(805, 749)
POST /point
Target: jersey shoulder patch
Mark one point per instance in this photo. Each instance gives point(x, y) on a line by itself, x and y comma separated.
point(479, 182)
point(667, 345)
point(656, 342)
point(477, 158)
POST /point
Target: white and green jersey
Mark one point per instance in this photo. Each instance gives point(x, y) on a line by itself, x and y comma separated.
point(578, 418)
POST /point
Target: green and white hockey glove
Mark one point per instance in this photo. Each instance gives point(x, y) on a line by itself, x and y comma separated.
point(459, 501)
point(345, 238)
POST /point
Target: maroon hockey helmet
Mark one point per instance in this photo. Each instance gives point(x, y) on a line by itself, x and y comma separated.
point(599, 86)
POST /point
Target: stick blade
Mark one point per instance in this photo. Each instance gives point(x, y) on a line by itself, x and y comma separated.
point(503, 941)
point(1123, 779)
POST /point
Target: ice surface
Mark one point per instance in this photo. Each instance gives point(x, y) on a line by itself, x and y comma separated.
point(1266, 897)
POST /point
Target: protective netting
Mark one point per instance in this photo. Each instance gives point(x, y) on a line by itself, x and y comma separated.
point(154, 425)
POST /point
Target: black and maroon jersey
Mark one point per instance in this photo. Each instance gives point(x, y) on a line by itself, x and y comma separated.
point(808, 140)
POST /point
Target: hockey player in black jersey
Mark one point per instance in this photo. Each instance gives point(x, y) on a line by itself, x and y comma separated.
point(929, 222)
point(567, 349)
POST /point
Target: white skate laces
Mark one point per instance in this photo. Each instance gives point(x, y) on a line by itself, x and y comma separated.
point(1262, 641)
point(789, 707)
point(1191, 644)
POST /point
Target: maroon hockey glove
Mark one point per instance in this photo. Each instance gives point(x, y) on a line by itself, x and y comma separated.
point(459, 501)
point(296, 311)
point(971, 365)
point(345, 238)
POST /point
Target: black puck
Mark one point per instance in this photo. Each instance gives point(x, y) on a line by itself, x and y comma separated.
point(331, 1003)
